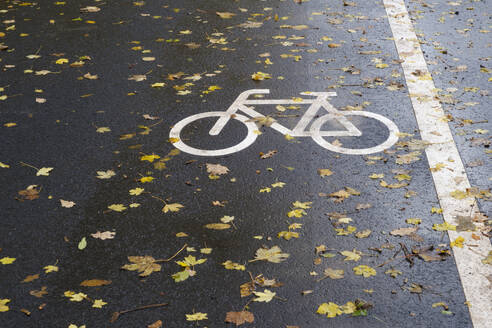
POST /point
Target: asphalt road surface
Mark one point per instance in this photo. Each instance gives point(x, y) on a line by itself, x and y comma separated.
point(348, 187)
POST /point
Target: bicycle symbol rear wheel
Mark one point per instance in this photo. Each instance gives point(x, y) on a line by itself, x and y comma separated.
point(176, 133)
point(390, 141)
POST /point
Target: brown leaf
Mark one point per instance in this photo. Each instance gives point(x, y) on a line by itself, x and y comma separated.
point(268, 154)
point(404, 231)
point(30, 193)
point(217, 169)
point(157, 324)
point(239, 317)
point(95, 283)
point(39, 293)
point(144, 264)
point(31, 278)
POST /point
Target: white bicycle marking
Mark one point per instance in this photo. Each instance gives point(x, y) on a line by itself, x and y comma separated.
point(321, 101)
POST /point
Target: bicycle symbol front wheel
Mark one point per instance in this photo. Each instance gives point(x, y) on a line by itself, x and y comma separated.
point(176, 134)
point(390, 141)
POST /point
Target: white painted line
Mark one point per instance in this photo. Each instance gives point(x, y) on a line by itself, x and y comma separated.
point(321, 101)
point(435, 130)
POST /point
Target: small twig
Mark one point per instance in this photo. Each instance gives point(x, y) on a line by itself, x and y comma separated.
point(176, 254)
point(116, 315)
point(162, 200)
point(29, 165)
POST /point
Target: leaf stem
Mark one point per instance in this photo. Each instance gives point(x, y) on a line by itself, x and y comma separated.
point(29, 165)
point(172, 257)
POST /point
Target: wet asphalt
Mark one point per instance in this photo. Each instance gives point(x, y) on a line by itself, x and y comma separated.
point(61, 133)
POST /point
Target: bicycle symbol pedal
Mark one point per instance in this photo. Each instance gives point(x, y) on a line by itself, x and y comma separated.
point(300, 130)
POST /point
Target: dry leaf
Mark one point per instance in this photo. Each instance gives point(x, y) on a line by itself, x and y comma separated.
point(67, 203)
point(225, 15)
point(143, 264)
point(95, 283)
point(103, 235)
point(217, 169)
point(239, 317)
point(30, 193)
point(404, 231)
point(157, 324)
point(217, 226)
point(273, 255)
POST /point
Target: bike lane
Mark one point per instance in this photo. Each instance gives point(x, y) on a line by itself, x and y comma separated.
point(373, 216)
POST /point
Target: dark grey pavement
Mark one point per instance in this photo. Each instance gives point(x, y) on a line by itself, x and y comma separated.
point(338, 50)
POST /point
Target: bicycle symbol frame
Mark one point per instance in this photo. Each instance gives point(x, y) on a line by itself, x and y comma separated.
point(320, 101)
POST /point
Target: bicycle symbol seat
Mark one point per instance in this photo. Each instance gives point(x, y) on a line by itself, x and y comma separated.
point(300, 130)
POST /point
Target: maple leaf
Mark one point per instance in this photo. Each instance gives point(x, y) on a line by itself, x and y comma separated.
point(44, 171)
point(351, 255)
point(278, 184)
point(263, 120)
point(305, 205)
point(4, 166)
point(103, 235)
point(239, 317)
point(117, 207)
point(67, 203)
point(3, 304)
point(7, 260)
point(98, 304)
point(190, 261)
point(298, 213)
point(408, 158)
point(364, 270)
point(174, 207)
point(105, 174)
point(196, 316)
point(226, 219)
point(265, 296)
point(143, 264)
point(273, 255)
point(458, 242)
point(444, 226)
point(330, 309)
point(267, 189)
point(136, 191)
point(103, 129)
point(217, 169)
point(75, 297)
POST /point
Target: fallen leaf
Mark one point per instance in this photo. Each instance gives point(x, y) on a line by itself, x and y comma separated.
point(3, 304)
point(98, 304)
point(196, 316)
point(30, 193)
point(105, 174)
point(157, 324)
point(364, 270)
point(143, 264)
point(225, 15)
point(265, 296)
point(217, 226)
point(117, 207)
point(31, 278)
point(351, 255)
point(273, 255)
point(50, 268)
point(239, 317)
point(330, 309)
point(324, 172)
point(217, 169)
point(173, 207)
point(103, 235)
point(7, 260)
point(82, 244)
point(404, 231)
point(333, 273)
point(44, 171)
point(67, 203)
point(95, 283)
point(39, 293)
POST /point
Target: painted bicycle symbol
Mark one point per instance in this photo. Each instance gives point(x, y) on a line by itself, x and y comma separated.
point(300, 130)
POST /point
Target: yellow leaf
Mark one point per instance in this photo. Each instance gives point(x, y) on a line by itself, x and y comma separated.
point(225, 15)
point(333, 45)
point(117, 207)
point(217, 226)
point(324, 172)
point(11, 124)
point(44, 171)
point(278, 184)
point(50, 268)
point(75, 297)
point(265, 296)
point(303, 205)
point(7, 260)
point(348, 308)
point(146, 179)
point(414, 221)
point(98, 304)
point(287, 235)
point(136, 191)
point(259, 76)
point(364, 270)
point(149, 158)
point(343, 232)
point(61, 61)
point(105, 174)
point(3, 305)
point(103, 129)
point(436, 210)
point(196, 316)
point(173, 207)
point(381, 65)
point(351, 255)
point(181, 275)
point(458, 242)
point(438, 167)
point(376, 176)
point(298, 213)
point(273, 255)
point(267, 189)
point(143, 264)
point(233, 266)
point(4, 166)
point(444, 226)
point(158, 85)
point(330, 309)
